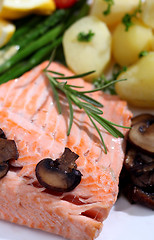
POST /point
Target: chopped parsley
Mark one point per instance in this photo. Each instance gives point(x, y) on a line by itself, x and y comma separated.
point(117, 70)
point(143, 53)
point(85, 37)
point(127, 19)
point(108, 10)
point(102, 81)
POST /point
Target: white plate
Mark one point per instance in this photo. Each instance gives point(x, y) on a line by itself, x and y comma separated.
point(125, 222)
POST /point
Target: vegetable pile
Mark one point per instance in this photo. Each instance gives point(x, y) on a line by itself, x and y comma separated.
point(116, 31)
point(41, 35)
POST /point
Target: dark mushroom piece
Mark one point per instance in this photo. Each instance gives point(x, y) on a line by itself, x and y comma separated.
point(140, 168)
point(2, 134)
point(142, 135)
point(8, 150)
point(138, 195)
point(4, 167)
point(141, 118)
point(60, 175)
point(137, 177)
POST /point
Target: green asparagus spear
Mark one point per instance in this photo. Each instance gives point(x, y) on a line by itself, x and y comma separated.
point(32, 47)
point(23, 29)
point(22, 67)
point(83, 12)
point(34, 28)
point(42, 27)
point(36, 51)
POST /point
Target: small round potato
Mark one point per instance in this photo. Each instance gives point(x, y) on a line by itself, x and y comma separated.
point(117, 11)
point(148, 13)
point(85, 56)
point(127, 45)
point(153, 43)
point(138, 89)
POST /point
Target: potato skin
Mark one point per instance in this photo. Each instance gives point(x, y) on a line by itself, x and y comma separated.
point(152, 44)
point(82, 56)
point(148, 13)
point(138, 89)
point(118, 10)
point(127, 45)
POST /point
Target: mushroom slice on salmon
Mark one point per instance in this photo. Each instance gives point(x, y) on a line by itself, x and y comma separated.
point(29, 116)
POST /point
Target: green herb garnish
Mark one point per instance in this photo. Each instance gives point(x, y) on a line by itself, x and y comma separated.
point(127, 19)
point(90, 106)
point(108, 10)
point(143, 53)
point(85, 37)
point(103, 81)
point(117, 70)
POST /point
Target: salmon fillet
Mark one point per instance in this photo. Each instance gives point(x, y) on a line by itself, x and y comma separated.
point(28, 115)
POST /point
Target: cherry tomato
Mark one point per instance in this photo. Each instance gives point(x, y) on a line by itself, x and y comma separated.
point(65, 3)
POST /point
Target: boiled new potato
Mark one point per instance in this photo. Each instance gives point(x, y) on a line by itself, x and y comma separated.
point(118, 10)
point(153, 44)
point(148, 13)
point(127, 45)
point(84, 56)
point(138, 89)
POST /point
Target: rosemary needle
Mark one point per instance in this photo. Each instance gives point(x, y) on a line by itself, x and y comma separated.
point(73, 77)
point(90, 106)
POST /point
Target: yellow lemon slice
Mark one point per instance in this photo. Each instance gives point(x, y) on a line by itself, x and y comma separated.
point(6, 31)
point(14, 9)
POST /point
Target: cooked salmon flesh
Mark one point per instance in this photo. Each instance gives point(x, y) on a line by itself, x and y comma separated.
point(28, 115)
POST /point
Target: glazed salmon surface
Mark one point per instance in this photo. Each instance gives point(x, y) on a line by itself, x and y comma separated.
point(28, 114)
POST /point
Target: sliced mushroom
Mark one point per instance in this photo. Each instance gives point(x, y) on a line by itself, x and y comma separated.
point(142, 135)
point(137, 195)
point(2, 134)
point(141, 118)
point(137, 177)
point(60, 175)
point(8, 150)
point(140, 168)
point(4, 167)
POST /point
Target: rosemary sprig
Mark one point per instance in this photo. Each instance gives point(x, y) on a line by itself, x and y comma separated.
point(107, 85)
point(90, 106)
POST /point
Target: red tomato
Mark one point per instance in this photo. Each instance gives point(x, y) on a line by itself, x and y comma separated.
point(65, 3)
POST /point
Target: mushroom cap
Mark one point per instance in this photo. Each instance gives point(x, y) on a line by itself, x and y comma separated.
point(141, 118)
point(8, 150)
point(140, 168)
point(53, 178)
point(142, 134)
point(4, 167)
point(2, 134)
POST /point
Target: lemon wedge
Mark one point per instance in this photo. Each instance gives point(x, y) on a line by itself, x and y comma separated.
point(14, 9)
point(7, 29)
